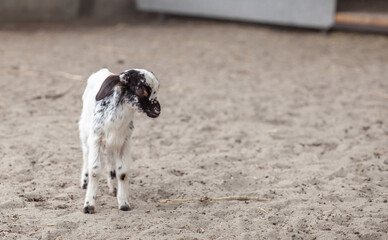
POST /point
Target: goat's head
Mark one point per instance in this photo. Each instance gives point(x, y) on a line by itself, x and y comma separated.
point(140, 88)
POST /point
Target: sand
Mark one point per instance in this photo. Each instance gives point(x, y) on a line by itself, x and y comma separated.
point(296, 117)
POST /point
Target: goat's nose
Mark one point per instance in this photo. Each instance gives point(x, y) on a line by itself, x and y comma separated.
point(154, 110)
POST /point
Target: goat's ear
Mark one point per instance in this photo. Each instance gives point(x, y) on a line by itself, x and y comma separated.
point(108, 86)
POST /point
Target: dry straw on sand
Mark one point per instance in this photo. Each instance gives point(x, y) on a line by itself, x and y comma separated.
point(203, 199)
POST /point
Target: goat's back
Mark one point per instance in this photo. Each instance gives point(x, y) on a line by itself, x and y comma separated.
point(89, 97)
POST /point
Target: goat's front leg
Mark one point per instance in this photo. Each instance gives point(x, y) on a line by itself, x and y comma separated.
point(94, 172)
point(111, 167)
point(123, 164)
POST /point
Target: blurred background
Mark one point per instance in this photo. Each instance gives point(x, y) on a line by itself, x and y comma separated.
point(261, 98)
point(319, 14)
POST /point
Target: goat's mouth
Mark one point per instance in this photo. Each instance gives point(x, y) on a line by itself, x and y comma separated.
point(151, 108)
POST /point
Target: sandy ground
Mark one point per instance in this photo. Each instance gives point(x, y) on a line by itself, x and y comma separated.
point(296, 117)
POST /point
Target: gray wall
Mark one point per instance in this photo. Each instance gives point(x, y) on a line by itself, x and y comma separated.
point(35, 10)
point(108, 9)
point(24, 10)
point(303, 13)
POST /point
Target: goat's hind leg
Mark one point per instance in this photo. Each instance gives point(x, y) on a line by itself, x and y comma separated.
point(94, 172)
point(85, 155)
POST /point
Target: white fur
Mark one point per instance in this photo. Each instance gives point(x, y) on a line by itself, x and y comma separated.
point(105, 130)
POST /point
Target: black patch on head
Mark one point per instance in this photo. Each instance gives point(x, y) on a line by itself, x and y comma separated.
point(86, 174)
point(113, 174)
point(120, 168)
point(133, 77)
point(139, 92)
point(95, 167)
point(122, 176)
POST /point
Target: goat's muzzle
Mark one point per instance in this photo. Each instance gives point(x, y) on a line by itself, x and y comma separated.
point(153, 110)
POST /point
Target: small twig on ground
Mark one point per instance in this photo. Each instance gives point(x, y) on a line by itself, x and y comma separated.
point(52, 74)
point(261, 210)
point(271, 131)
point(203, 199)
point(68, 76)
point(380, 94)
point(46, 225)
point(379, 154)
point(53, 96)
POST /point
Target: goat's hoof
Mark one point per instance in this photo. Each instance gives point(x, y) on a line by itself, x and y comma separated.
point(114, 192)
point(89, 209)
point(125, 207)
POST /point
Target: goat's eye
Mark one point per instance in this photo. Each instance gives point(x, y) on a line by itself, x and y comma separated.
point(141, 91)
point(145, 93)
point(138, 90)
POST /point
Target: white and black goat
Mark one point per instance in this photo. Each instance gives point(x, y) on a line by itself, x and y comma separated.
point(106, 125)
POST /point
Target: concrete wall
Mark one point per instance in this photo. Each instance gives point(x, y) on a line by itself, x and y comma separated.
point(35, 10)
point(108, 9)
point(25, 10)
point(303, 13)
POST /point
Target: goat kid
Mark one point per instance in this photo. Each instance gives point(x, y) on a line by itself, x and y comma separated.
point(106, 125)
